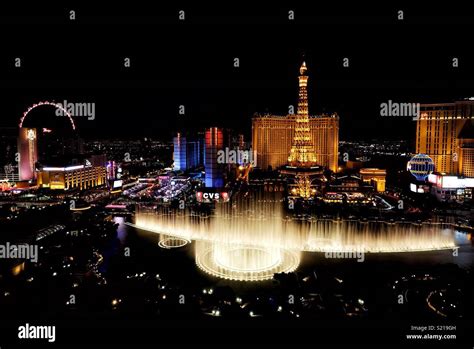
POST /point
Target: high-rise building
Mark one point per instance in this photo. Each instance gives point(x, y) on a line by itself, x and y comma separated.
point(179, 152)
point(437, 133)
point(325, 134)
point(214, 141)
point(186, 153)
point(466, 150)
point(273, 136)
point(193, 153)
point(28, 150)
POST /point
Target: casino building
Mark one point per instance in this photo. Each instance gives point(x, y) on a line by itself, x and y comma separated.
point(187, 152)
point(466, 149)
point(214, 142)
point(28, 150)
point(72, 177)
point(444, 133)
point(273, 136)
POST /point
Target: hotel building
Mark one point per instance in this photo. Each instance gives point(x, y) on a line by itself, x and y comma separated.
point(186, 152)
point(72, 177)
point(439, 134)
point(466, 150)
point(272, 139)
point(28, 150)
point(214, 141)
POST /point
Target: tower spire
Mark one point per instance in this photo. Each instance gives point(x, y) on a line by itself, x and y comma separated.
point(303, 92)
point(303, 167)
point(302, 151)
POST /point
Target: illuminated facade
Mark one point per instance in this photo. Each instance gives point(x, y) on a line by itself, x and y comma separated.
point(28, 150)
point(302, 149)
point(279, 140)
point(467, 160)
point(272, 137)
point(466, 149)
point(179, 152)
point(302, 165)
point(325, 134)
point(375, 177)
point(437, 133)
point(186, 153)
point(448, 188)
point(214, 141)
point(73, 177)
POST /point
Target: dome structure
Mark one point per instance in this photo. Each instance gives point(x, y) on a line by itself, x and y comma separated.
point(420, 166)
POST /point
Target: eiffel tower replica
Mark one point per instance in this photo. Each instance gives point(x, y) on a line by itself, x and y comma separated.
point(302, 168)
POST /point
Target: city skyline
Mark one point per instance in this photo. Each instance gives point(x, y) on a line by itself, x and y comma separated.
point(374, 128)
point(214, 91)
point(286, 170)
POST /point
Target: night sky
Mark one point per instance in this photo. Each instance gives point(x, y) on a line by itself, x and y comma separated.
point(190, 63)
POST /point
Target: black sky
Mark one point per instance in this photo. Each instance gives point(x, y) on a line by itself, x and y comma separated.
point(190, 63)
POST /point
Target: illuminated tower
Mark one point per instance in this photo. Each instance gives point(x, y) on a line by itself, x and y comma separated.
point(28, 150)
point(214, 139)
point(179, 152)
point(302, 152)
point(302, 166)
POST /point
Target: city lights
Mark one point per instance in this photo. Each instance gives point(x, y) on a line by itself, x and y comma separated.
point(264, 172)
